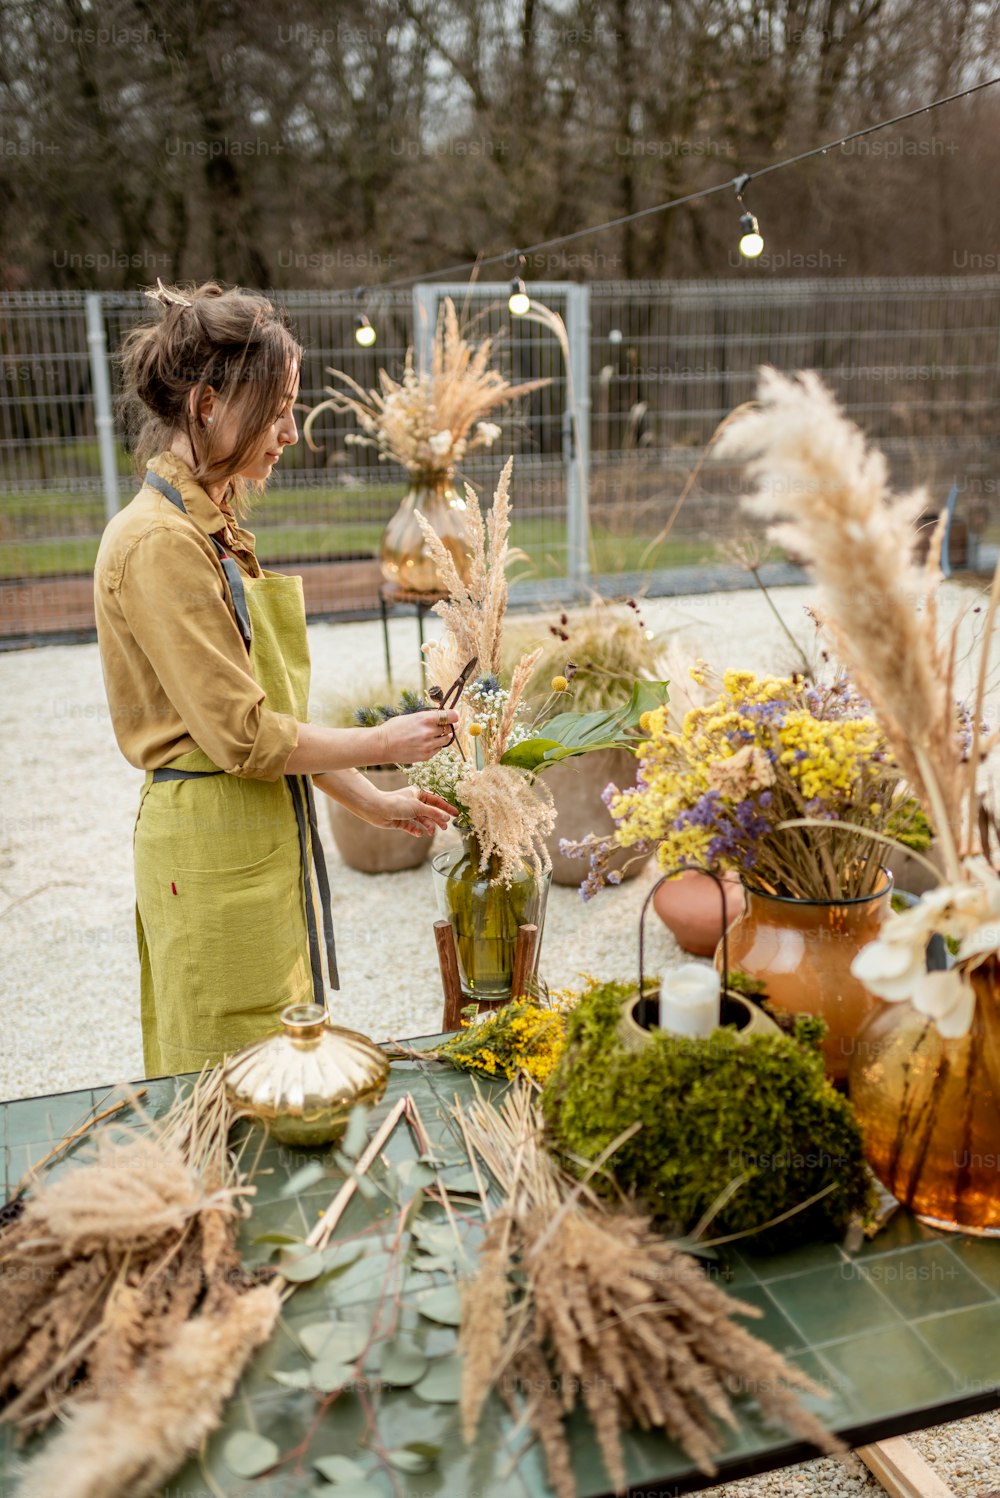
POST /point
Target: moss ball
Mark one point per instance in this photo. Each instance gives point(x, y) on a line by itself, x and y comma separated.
point(711, 1112)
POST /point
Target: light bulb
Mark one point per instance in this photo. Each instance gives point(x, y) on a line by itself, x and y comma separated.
point(364, 333)
point(519, 302)
point(751, 242)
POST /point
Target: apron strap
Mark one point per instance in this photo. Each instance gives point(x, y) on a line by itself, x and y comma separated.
point(323, 880)
point(167, 774)
point(305, 815)
point(234, 577)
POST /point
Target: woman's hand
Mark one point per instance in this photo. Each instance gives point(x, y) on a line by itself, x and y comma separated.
point(418, 812)
point(412, 737)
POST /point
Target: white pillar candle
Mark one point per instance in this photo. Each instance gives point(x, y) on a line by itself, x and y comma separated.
point(689, 1000)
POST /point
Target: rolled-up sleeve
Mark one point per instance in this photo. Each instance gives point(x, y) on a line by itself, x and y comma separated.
point(174, 601)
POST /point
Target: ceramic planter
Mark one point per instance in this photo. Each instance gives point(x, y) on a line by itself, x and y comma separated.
point(802, 950)
point(577, 785)
point(690, 908)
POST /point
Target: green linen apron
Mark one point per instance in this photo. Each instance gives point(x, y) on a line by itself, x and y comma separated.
point(226, 914)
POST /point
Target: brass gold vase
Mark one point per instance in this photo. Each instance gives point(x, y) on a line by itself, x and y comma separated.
point(801, 952)
point(403, 553)
point(929, 1109)
point(303, 1080)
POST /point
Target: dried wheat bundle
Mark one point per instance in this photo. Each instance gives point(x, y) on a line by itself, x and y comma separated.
point(578, 1303)
point(124, 1309)
point(827, 494)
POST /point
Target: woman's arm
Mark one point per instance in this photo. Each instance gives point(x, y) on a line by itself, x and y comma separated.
point(416, 811)
point(403, 740)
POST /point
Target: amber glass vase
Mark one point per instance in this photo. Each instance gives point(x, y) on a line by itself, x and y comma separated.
point(802, 950)
point(404, 555)
point(485, 915)
point(929, 1109)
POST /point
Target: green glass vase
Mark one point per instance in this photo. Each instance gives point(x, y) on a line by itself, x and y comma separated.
point(485, 915)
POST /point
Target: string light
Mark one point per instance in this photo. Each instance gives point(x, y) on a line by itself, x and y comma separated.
point(364, 333)
point(519, 302)
point(751, 242)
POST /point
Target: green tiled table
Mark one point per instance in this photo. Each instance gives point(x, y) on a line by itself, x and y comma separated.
point(902, 1335)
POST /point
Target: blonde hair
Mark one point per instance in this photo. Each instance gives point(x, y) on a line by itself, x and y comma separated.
point(235, 341)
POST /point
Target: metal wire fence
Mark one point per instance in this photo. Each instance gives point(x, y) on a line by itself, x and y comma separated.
point(602, 453)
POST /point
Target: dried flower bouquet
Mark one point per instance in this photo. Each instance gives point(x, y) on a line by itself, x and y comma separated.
point(424, 420)
point(826, 493)
point(491, 773)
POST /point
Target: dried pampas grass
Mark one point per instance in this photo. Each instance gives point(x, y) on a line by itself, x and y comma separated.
point(124, 1308)
point(826, 493)
point(511, 816)
point(131, 1442)
point(576, 1303)
point(474, 612)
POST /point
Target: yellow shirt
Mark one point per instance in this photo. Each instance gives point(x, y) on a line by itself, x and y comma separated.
point(176, 671)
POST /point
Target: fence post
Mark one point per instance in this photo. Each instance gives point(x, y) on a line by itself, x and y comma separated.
point(424, 320)
point(576, 439)
point(104, 422)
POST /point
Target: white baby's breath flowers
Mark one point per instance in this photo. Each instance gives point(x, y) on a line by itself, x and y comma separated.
point(440, 443)
point(894, 967)
point(487, 432)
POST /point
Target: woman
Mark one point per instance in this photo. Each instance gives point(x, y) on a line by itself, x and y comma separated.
point(206, 668)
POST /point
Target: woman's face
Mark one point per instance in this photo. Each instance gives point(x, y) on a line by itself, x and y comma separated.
point(280, 434)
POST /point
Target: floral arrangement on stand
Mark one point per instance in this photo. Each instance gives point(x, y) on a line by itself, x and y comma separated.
point(925, 1074)
point(491, 771)
point(428, 422)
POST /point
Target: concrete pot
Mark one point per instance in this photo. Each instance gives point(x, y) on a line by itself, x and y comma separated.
point(376, 850)
point(911, 876)
point(576, 785)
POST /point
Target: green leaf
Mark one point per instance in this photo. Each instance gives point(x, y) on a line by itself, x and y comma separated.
point(442, 1305)
point(339, 1257)
point(248, 1454)
point(408, 1460)
point(529, 753)
point(442, 1383)
point(283, 1238)
point(302, 1179)
point(293, 1378)
point(402, 1363)
point(356, 1135)
point(329, 1374)
point(435, 1237)
point(338, 1468)
point(300, 1269)
point(577, 733)
point(329, 1341)
point(463, 1182)
point(414, 1173)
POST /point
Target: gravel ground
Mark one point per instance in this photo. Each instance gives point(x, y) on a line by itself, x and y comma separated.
point(69, 983)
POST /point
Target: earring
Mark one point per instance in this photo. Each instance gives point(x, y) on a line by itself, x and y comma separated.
point(209, 418)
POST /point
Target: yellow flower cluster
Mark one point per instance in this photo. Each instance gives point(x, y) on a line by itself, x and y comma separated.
point(755, 756)
point(521, 1037)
